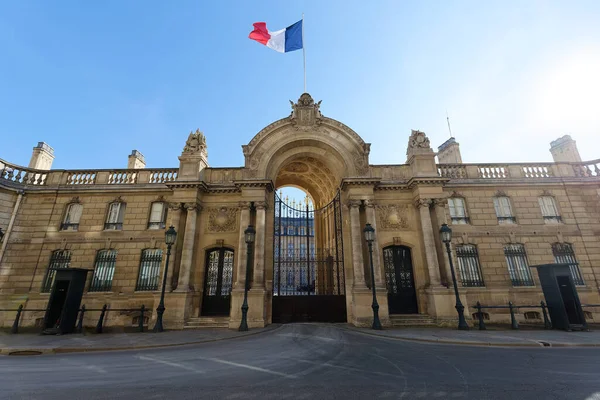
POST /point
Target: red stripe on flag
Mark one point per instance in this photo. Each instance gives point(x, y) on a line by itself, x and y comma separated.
point(260, 33)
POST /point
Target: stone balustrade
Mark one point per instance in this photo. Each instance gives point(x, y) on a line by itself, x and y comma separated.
point(537, 171)
point(21, 176)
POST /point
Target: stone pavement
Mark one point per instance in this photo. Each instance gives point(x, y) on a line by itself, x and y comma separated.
point(31, 343)
point(491, 337)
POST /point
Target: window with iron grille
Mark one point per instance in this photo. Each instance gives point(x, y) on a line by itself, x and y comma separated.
point(290, 230)
point(72, 216)
point(58, 260)
point(468, 266)
point(158, 215)
point(504, 210)
point(149, 274)
point(549, 210)
point(458, 211)
point(518, 268)
point(564, 254)
point(116, 213)
point(104, 270)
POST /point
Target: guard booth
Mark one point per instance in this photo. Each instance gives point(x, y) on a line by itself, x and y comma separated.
point(65, 299)
point(561, 297)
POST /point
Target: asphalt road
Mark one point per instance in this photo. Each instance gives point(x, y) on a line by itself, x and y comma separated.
point(308, 361)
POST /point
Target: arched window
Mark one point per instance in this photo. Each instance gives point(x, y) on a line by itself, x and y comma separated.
point(468, 266)
point(458, 211)
point(104, 270)
point(149, 274)
point(158, 215)
point(72, 216)
point(115, 216)
point(504, 210)
point(564, 254)
point(549, 210)
point(58, 260)
point(518, 268)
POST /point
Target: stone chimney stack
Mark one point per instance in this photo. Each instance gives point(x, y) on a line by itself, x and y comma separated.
point(449, 152)
point(564, 149)
point(136, 160)
point(42, 156)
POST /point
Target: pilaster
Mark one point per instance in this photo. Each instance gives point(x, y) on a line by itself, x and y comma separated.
point(439, 206)
point(357, 254)
point(174, 220)
point(187, 252)
point(429, 242)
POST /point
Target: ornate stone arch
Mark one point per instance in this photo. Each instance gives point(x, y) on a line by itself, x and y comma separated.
point(306, 134)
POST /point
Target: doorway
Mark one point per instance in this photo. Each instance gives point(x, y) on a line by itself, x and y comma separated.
point(399, 279)
point(216, 299)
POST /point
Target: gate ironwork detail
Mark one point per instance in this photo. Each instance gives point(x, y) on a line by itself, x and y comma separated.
point(308, 266)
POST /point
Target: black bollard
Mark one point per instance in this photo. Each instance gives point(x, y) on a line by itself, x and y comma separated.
point(513, 321)
point(547, 324)
point(480, 317)
point(79, 328)
point(141, 321)
point(15, 327)
point(101, 320)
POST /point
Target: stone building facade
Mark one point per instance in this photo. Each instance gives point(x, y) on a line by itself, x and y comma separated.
point(505, 217)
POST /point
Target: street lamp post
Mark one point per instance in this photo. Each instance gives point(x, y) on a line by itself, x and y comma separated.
point(1, 235)
point(446, 236)
point(370, 237)
point(170, 237)
point(249, 234)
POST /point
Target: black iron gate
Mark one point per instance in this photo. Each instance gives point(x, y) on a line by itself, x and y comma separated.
point(216, 299)
point(308, 263)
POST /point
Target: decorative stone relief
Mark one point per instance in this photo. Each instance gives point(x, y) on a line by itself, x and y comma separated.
point(305, 113)
point(354, 203)
point(196, 142)
point(361, 163)
point(174, 206)
point(440, 202)
point(418, 143)
point(393, 217)
point(222, 219)
point(192, 206)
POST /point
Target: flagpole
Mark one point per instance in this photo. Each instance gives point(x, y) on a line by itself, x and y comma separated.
point(304, 52)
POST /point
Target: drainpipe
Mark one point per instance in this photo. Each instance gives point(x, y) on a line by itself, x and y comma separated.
point(10, 226)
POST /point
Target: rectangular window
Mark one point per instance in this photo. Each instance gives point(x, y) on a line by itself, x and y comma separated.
point(104, 269)
point(518, 268)
point(149, 274)
point(504, 210)
point(114, 219)
point(72, 216)
point(58, 260)
point(458, 212)
point(302, 231)
point(564, 254)
point(158, 216)
point(290, 247)
point(290, 230)
point(468, 266)
point(549, 209)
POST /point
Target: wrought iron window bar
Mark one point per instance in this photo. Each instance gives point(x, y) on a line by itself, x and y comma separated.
point(69, 227)
point(469, 266)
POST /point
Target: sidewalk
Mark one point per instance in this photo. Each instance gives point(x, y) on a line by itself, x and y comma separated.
point(491, 337)
point(30, 343)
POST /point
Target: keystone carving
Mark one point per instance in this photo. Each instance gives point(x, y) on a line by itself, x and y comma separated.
point(306, 113)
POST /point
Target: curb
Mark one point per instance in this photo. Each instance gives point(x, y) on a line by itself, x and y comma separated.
point(63, 350)
point(478, 344)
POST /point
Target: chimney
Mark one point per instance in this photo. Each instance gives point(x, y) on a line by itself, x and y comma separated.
point(564, 149)
point(42, 156)
point(136, 160)
point(449, 152)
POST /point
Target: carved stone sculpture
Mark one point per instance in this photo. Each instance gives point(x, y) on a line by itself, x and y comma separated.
point(418, 143)
point(195, 143)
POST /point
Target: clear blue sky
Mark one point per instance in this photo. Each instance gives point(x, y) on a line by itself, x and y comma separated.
point(98, 79)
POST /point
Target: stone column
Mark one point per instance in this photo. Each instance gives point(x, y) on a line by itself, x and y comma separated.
point(242, 251)
point(174, 219)
point(357, 253)
point(429, 242)
point(187, 251)
point(259, 247)
point(372, 219)
point(440, 212)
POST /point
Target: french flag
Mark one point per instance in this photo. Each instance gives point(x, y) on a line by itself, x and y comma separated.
point(283, 41)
